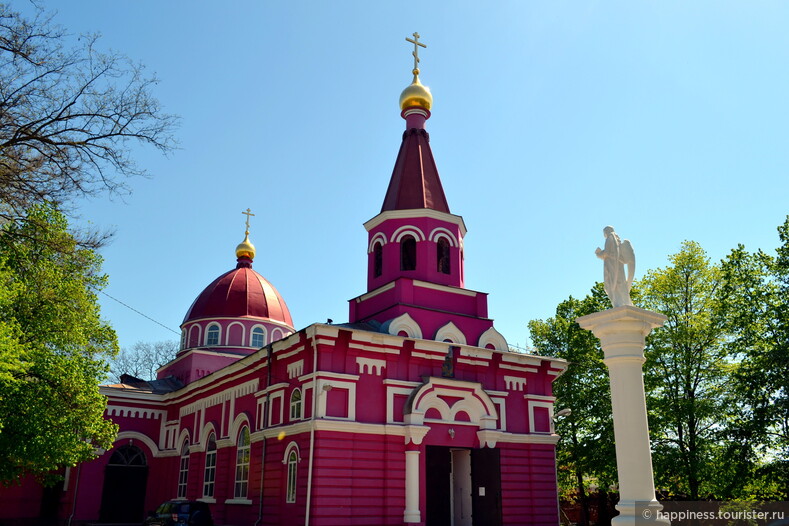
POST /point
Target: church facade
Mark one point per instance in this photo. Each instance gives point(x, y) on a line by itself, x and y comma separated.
point(415, 411)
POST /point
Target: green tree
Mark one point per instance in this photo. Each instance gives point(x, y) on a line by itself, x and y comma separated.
point(687, 372)
point(53, 346)
point(755, 301)
point(586, 451)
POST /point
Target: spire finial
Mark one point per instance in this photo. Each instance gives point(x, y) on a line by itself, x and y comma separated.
point(415, 41)
point(248, 213)
point(246, 249)
point(416, 95)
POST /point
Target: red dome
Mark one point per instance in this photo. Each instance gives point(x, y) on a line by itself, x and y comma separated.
point(242, 292)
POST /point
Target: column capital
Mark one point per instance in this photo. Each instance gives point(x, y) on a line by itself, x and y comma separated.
point(622, 330)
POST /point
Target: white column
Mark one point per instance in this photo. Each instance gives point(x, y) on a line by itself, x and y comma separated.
point(622, 331)
point(412, 487)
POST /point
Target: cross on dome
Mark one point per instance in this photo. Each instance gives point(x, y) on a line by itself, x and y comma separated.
point(246, 249)
point(248, 213)
point(415, 41)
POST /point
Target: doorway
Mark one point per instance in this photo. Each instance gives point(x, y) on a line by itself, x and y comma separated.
point(125, 479)
point(463, 487)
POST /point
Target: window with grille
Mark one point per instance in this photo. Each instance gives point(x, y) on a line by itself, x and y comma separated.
point(292, 468)
point(210, 467)
point(242, 465)
point(183, 471)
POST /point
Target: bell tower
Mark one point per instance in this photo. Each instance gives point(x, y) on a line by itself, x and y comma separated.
point(415, 244)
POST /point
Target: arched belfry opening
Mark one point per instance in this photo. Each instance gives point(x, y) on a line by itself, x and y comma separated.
point(125, 481)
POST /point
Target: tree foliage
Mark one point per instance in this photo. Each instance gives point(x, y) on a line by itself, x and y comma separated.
point(53, 346)
point(143, 359)
point(687, 372)
point(68, 116)
point(586, 452)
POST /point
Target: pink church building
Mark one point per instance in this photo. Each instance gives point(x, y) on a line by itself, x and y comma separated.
point(413, 412)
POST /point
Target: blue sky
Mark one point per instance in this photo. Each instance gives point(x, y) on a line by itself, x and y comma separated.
point(668, 120)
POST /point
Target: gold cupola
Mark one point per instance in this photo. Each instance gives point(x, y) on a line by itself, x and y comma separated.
point(246, 249)
point(416, 95)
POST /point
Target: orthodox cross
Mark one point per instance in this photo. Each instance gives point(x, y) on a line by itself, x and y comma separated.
point(416, 44)
point(248, 213)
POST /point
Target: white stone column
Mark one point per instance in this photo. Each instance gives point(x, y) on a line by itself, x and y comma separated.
point(622, 331)
point(412, 486)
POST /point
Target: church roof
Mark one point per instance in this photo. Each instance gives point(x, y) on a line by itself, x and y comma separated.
point(239, 293)
point(415, 182)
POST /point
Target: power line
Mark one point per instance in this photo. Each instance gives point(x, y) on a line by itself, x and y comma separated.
point(140, 313)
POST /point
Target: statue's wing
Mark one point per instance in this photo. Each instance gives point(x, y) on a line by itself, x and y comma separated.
point(628, 257)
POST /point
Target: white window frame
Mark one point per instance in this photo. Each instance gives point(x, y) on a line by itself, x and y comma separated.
point(209, 474)
point(296, 409)
point(262, 336)
point(208, 333)
point(243, 450)
point(183, 471)
point(293, 472)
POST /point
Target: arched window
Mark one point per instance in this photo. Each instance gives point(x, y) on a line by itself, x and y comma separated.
point(378, 260)
point(258, 336)
point(183, 471)
point(209, 476)
point(183, 339)
point(442, 256)
point(242, 464)
point(408, 253)
point(293, 460)
point(295, 404)
point(212, 335)
point(128, 456)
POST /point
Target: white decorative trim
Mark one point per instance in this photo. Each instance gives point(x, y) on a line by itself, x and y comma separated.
point(239, 423)
point(293, 445)
point(475, 402)
point(447, 234)
point(373, 293)
point(547, 405)
point(405, 323)
point(450, 332)
point(415, 433)
point(494, 338)
point(322, 394)
point(252, 334)
point(405, 230)
point(182, 437)
point(380, 236)
point(515, 383)
point(207, 330)
point(145, 439)
point(391, 391)
point(295, 369)
point(490, 438)
point(416, 214)
point(524, 359)
point(228, 331)
point(501, 407)
point(135, 412)
point(238, 501)
point(370, 365)
point(445, 288)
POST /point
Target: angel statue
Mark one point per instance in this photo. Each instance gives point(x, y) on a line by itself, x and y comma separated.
point(616, 255)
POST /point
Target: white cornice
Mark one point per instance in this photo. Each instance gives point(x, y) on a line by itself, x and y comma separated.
point(416, 213)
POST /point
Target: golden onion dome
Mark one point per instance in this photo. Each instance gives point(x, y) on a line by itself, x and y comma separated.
point(245, 248)
point(416, 95)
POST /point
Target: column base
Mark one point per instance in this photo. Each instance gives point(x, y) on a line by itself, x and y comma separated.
point(412, 516)
point(639, 513)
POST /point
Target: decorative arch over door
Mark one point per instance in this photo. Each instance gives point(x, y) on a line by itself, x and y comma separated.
point(125, 481)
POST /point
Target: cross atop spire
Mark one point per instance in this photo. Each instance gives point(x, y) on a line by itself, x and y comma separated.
point(417, 44)
point(248, 213)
